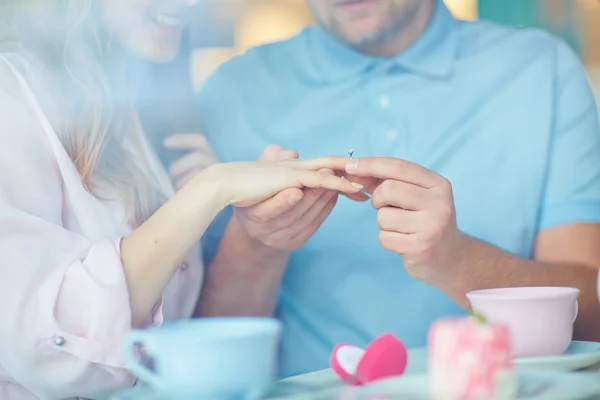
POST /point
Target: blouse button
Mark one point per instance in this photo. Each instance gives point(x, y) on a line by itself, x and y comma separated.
point(60, 341)
point(185, 266)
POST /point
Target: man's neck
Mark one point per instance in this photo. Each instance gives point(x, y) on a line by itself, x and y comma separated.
point(408, 35)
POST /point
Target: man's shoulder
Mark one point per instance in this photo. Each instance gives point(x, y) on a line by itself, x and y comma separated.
point(493, 41)
point(267, 61)
point(259, 77)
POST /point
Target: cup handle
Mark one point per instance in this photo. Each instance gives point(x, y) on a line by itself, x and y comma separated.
point(576, 312)
point(135, 338)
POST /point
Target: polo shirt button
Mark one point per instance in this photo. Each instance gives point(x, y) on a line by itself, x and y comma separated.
point(185, 266)
point(384, 101)
point(392, 134)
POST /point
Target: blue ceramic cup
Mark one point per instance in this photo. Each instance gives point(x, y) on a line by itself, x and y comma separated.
point(214, 358)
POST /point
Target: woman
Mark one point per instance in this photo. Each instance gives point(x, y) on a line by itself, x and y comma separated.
point(93, 241)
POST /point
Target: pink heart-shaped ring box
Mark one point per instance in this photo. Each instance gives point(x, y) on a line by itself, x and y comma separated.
point(384, 357)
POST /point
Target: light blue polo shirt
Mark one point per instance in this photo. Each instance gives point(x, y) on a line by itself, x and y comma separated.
point(505, 114)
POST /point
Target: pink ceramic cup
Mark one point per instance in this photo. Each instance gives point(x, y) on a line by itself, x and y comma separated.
point(540, 319)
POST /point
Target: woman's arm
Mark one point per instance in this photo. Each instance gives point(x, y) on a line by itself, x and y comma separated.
point(66, 301)
point(155, 250)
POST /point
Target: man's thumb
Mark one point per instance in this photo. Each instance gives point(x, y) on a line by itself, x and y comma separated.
point(275, 152)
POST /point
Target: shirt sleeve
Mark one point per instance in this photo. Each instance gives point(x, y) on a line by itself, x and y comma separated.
point(572, 191)
point(64, 302)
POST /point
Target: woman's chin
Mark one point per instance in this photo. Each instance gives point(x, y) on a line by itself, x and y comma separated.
point(163, 52)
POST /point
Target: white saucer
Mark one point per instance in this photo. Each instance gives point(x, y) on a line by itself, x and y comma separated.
point(579, 355)
point(532, 386)
point(541, 385)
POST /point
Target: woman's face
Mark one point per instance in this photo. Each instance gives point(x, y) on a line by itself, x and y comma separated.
point(148, 28)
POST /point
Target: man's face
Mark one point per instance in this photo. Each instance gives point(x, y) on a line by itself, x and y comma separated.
point(364, 24)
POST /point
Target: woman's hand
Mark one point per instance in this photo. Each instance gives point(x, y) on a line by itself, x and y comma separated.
point(245, 184)
point(156, 249)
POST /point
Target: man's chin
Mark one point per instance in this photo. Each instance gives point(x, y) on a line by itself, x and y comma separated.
point(362, 40)
point(360, 32)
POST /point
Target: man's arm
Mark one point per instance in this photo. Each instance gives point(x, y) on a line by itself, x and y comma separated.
point(244, 275)
point(564, 256)
point(243, 278)
point(418, 221)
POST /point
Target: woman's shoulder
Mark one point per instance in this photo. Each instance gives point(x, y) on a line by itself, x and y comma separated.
point(9, 86)
point(13, 58)
point(19, 126)
point(17, 54)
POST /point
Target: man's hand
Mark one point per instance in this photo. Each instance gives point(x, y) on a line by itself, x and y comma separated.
point(416, 214)
point(200, 156)
point(417, 220)
point(287, 220)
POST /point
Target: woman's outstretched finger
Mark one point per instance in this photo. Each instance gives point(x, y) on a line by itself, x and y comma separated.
point(334, 163)
point(324, 180)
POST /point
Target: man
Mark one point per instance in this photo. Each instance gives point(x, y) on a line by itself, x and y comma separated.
point(491, 174)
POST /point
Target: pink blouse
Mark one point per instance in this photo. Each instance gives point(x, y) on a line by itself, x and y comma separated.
point(64, 305)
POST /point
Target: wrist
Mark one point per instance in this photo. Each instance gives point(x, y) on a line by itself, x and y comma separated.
point(456, 264)
point(460, 249)
point(212, 180)
point(242, 279)
point(236, 232)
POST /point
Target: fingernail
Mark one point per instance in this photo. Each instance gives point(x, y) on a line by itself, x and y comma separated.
point(352, 165)
point(357, 185)
point(167, 141)
point(294, 199)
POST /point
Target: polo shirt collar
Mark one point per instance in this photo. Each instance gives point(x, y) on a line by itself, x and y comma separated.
point(433, 54)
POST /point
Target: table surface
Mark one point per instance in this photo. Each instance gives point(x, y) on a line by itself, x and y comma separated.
point(306, 384)
point(322, 384)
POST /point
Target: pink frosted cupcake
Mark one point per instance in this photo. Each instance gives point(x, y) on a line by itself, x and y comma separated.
point(470, 359)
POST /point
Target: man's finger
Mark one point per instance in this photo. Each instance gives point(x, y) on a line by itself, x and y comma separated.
point(309, 214)
point(400, 243)
point(186, 141)
point(334, 163)
point(359, 197)
point(312, 196)
point(270, 153)
point(293, 216)
point(309, 200)
point(275, 152)
point(276, 206)
point(400, 221)
point(316, 221)
point(287, 155)
point(369, 184)
point(400, 194)
point(324, 180)
point(394, 168)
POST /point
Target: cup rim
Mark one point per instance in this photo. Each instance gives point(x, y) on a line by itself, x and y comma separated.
point(504, 293)
point(259, 325)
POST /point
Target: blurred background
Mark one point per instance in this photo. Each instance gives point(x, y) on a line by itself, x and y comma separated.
point(235, 25)
point(223, 28)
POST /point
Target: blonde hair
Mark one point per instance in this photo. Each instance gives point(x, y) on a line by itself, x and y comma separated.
point(79, 60)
